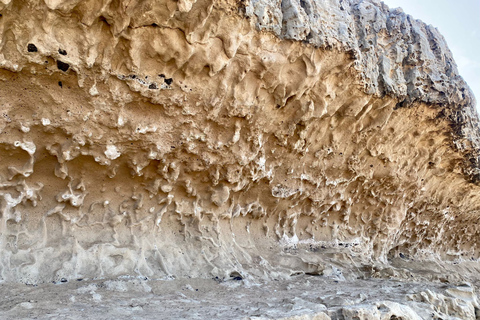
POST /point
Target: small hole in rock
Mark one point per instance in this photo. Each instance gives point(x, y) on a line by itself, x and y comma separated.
point(31, 47)
point(169, 81)
point(62, 66)
point(60, 84)
point(62, 52)
point(236, 276)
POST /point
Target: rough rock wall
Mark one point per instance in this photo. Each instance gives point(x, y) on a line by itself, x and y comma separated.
point(394, 54)
point(179, 138)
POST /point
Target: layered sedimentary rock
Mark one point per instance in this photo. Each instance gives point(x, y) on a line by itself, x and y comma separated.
point(231, 139)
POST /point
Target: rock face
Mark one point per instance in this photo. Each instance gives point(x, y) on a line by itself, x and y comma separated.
point(228, 139)
point(394, 54)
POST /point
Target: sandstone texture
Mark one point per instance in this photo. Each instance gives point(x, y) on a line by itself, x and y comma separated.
point(250, 140)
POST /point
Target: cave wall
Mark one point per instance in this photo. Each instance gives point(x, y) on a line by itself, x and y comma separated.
point(170, 139)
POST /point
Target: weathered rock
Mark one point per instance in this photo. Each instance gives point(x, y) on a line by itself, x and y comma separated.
point(251, 139)
point(297, 298)
point(394, 54)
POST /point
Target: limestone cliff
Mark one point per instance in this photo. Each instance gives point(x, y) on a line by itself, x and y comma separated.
point(254, 138)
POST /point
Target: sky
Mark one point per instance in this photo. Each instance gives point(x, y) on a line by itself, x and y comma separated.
point(459, 22)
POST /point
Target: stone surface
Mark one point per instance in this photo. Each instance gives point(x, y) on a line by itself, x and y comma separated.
point(297, 298)
point(255, 140)
point(394, 54)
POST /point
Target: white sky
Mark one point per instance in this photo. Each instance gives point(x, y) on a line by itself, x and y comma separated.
point(459, 22)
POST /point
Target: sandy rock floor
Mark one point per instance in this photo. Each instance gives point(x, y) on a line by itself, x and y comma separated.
point(301, 297)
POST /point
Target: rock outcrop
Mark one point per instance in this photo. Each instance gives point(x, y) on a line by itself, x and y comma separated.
point(232, 139)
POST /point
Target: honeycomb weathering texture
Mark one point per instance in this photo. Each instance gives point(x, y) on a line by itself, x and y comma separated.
point(232, 139)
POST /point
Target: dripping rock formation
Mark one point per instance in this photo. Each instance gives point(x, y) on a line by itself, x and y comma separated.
point(314, 142)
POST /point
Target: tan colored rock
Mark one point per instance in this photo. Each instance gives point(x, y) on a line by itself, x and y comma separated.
point(198, 138)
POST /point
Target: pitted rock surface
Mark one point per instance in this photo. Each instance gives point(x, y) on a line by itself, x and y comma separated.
point(227, 139)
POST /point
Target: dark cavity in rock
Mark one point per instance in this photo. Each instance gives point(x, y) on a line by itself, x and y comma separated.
point(62, 65)
point(31, 47)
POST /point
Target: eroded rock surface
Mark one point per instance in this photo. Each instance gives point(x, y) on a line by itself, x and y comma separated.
point(253, 139)
point(298, 298)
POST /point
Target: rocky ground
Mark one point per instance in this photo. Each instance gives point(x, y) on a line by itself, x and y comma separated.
point(300, 297)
